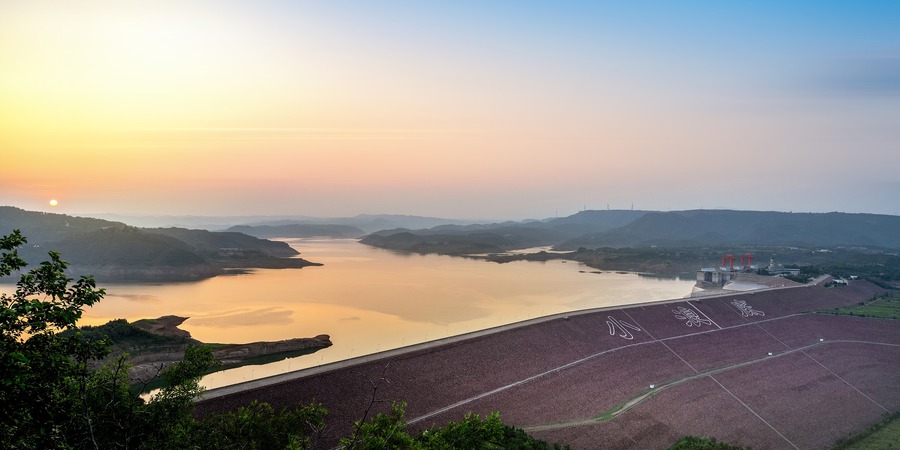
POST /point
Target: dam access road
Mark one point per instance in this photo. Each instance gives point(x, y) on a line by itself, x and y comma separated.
point(755, 369)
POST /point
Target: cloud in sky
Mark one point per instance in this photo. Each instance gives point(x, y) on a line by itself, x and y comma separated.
point(467, 109)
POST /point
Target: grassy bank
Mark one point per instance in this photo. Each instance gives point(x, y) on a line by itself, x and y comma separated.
point(883, 306)
point(884, 434)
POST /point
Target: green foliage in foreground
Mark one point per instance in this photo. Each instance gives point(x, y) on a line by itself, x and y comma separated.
point(884, 306)
point(389, 431)
point(702, 443)
point(52, 395)
point(885, 434)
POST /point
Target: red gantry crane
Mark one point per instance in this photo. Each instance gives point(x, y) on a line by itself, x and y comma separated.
point(728, 261)
point(749, 258)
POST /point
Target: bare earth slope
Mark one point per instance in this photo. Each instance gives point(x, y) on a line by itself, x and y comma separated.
point(584, 379)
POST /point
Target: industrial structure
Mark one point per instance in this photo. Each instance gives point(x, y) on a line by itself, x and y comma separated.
point(741, 277)
point(721, 275)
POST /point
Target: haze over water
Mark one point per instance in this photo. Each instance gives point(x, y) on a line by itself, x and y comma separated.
point(370, 300)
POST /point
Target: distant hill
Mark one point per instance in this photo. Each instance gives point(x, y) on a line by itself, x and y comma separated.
point(366, 222)
point(717, 227)
point(112, 251)
point(464, 242)
point(212, 242)
point(121, 246)
point(298, 230)
point(211, 223)
point(596, 229)
point(46, 227)
point(500, 237)
point(594, 221)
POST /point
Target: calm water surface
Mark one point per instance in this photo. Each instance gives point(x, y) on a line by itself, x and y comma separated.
point(369, 300)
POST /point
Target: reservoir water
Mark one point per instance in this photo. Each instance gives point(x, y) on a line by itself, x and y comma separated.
point(369, 300)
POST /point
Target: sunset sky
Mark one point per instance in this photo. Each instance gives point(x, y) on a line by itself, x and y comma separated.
point(463, 109)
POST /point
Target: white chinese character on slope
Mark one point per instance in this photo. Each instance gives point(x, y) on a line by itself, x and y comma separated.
point(620, 326)
point(691, 318)
point(746, 310)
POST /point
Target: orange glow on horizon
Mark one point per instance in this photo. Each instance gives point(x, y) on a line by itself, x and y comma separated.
point(309, 108)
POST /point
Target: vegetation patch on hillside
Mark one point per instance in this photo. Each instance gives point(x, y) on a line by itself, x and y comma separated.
point(132, 338)
point(883, 306)
point(884, 434)
point(703, 443)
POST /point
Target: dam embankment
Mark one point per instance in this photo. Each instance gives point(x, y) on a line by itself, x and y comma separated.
point(571, 368)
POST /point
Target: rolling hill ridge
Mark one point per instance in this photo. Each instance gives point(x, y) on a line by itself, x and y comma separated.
point(113, 251)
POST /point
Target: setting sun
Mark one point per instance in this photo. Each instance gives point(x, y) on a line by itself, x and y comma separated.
point(53, 202)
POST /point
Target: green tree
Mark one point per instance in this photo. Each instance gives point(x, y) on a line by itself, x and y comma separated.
point(702, 443)
point(389, 431)
point(473, 432)
point(41, 401)
point(382, 431)
point(259, 426)
point(52, 393)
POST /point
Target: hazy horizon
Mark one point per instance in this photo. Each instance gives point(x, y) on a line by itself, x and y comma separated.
point(458, 110)
point(214, 222)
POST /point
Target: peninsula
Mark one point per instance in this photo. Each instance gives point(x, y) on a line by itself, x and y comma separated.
point(154, 344)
